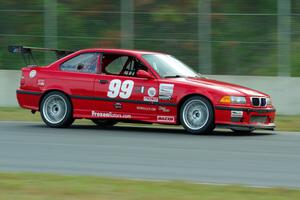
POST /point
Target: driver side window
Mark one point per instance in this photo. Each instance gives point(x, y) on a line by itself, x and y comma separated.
point(115, 67)
point(85, 62)
point(121, 65)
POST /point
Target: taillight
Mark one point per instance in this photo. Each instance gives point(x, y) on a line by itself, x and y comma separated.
point(22, 81)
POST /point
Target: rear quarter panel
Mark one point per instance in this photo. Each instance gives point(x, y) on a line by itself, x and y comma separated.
point(49, 79)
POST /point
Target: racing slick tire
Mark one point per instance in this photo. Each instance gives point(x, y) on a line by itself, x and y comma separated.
point(56, 110)
point(197, 115)
point(104, 122)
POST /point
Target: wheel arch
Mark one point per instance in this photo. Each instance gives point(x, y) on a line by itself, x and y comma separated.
point(54, 90)
point(183, 99)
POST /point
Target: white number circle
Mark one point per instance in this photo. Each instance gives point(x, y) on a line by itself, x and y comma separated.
point(32, 73)
point(152, 92)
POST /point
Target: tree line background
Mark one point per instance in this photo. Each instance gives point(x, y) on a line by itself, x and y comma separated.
point(243, 32)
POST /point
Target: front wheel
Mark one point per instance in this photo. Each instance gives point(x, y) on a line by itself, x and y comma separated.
point(56, 110)
point(197, 115)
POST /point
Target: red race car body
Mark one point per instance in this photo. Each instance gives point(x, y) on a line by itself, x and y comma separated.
point(112, 85)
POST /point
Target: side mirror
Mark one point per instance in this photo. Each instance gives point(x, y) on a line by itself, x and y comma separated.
point(143, 74)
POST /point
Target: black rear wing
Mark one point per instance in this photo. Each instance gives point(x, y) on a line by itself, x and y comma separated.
point(27, 55)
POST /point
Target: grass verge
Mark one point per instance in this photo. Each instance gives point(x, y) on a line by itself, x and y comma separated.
point(29, 186)
point(283, 122)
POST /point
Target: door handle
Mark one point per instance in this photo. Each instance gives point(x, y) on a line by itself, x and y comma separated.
point(103, 81)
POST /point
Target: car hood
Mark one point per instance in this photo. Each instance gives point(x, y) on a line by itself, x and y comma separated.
point(228, 88)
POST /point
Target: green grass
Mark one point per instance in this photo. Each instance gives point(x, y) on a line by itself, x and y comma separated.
point(288, 123)
point(18, 114)
point(283, 122)
point(29, 186)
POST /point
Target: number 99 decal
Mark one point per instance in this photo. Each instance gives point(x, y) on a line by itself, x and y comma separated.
point(117, 88)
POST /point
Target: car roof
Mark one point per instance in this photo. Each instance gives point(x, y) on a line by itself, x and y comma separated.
point(120, 51)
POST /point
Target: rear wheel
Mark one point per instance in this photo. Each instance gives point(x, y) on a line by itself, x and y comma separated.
point(56, 110)
point(104, 122)
point(197, 115)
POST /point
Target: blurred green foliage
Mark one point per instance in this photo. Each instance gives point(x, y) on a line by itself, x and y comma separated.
point(244, 32)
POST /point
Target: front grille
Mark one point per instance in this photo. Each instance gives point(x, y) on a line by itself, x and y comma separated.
point(255, 101)
point(258, 119)
point(258, 101)
point(263, 102)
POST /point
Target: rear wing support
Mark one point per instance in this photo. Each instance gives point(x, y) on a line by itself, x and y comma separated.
point(28, 55)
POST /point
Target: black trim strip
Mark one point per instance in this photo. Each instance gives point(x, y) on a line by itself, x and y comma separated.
point(104, 99)
point(123, 100)
point(261, 110)
point(28, 92)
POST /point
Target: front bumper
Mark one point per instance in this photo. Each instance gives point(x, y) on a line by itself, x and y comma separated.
point(270, 126)
point(234, 117)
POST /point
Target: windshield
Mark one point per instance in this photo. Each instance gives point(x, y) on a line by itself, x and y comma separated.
point(168, 67)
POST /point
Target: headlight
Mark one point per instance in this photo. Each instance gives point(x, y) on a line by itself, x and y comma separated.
point(269, 101)
point(233, 100)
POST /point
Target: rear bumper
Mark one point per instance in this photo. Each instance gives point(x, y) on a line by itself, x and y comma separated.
point(245, 117)
point(28, 99)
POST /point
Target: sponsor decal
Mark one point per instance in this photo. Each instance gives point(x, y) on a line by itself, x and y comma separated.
point(166, 91)
point(41, 82)
point(139, 89)
point(151, 92)
point(118, 106)
point(235, 113)
point(110, 115)
point(163, 109)
point(151, 99)
point(145, 108)
point(165, 97)
point(32, 73)
point(165, 118)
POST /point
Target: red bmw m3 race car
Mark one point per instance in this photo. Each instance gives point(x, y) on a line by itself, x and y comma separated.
point(109, 86)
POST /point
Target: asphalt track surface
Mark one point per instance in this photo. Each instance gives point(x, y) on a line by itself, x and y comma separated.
point(260, 159)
